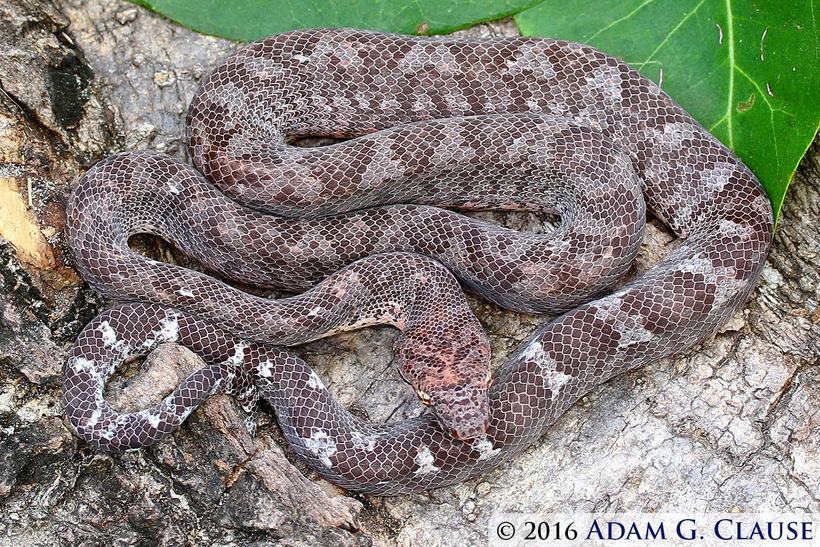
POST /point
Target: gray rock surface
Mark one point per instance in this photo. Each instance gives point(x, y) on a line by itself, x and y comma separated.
point(729, 426)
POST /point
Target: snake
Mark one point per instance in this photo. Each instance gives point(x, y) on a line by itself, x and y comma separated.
point(361, 229)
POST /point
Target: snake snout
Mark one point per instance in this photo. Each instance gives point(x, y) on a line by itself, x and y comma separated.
point(463, 411)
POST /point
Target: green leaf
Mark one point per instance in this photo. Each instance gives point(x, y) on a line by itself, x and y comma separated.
point(748, 71)
point(253, 19)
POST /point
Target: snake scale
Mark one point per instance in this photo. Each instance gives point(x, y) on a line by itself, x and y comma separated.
point(426, 125)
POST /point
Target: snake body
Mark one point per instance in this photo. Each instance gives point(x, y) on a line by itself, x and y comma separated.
point(513, 124)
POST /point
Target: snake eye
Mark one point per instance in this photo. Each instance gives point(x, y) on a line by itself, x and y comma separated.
point(424, 398)
point(489, 381)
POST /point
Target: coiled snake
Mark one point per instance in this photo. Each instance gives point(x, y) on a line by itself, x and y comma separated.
point(509, 123)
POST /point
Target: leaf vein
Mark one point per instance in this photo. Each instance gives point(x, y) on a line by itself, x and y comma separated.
point(621, 20)
point(669, 35)
point(730, 39)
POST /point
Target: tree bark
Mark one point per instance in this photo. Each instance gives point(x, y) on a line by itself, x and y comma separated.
point(730, 425)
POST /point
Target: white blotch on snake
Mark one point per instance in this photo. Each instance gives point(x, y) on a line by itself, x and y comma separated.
point(265, 369)
point(484, 446)
point(109, 337)
point(424, 460)
point(606, 80)
point(631, 327)
point(93, 420)
point(717, 177)
point(362, 440)
point(150, 416)
point(321, 445)
point(554, 380)
point(169, 329)
point(315, 382)
point(731, 228)
point(533, 352)
point(83, 365)
point(531, 59)
point(674, 136)
point(111, 431)
point(632, 332)
point(238, 357)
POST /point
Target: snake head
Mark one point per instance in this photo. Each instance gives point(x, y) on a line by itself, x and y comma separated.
point(462, 410)
point(449, 376)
